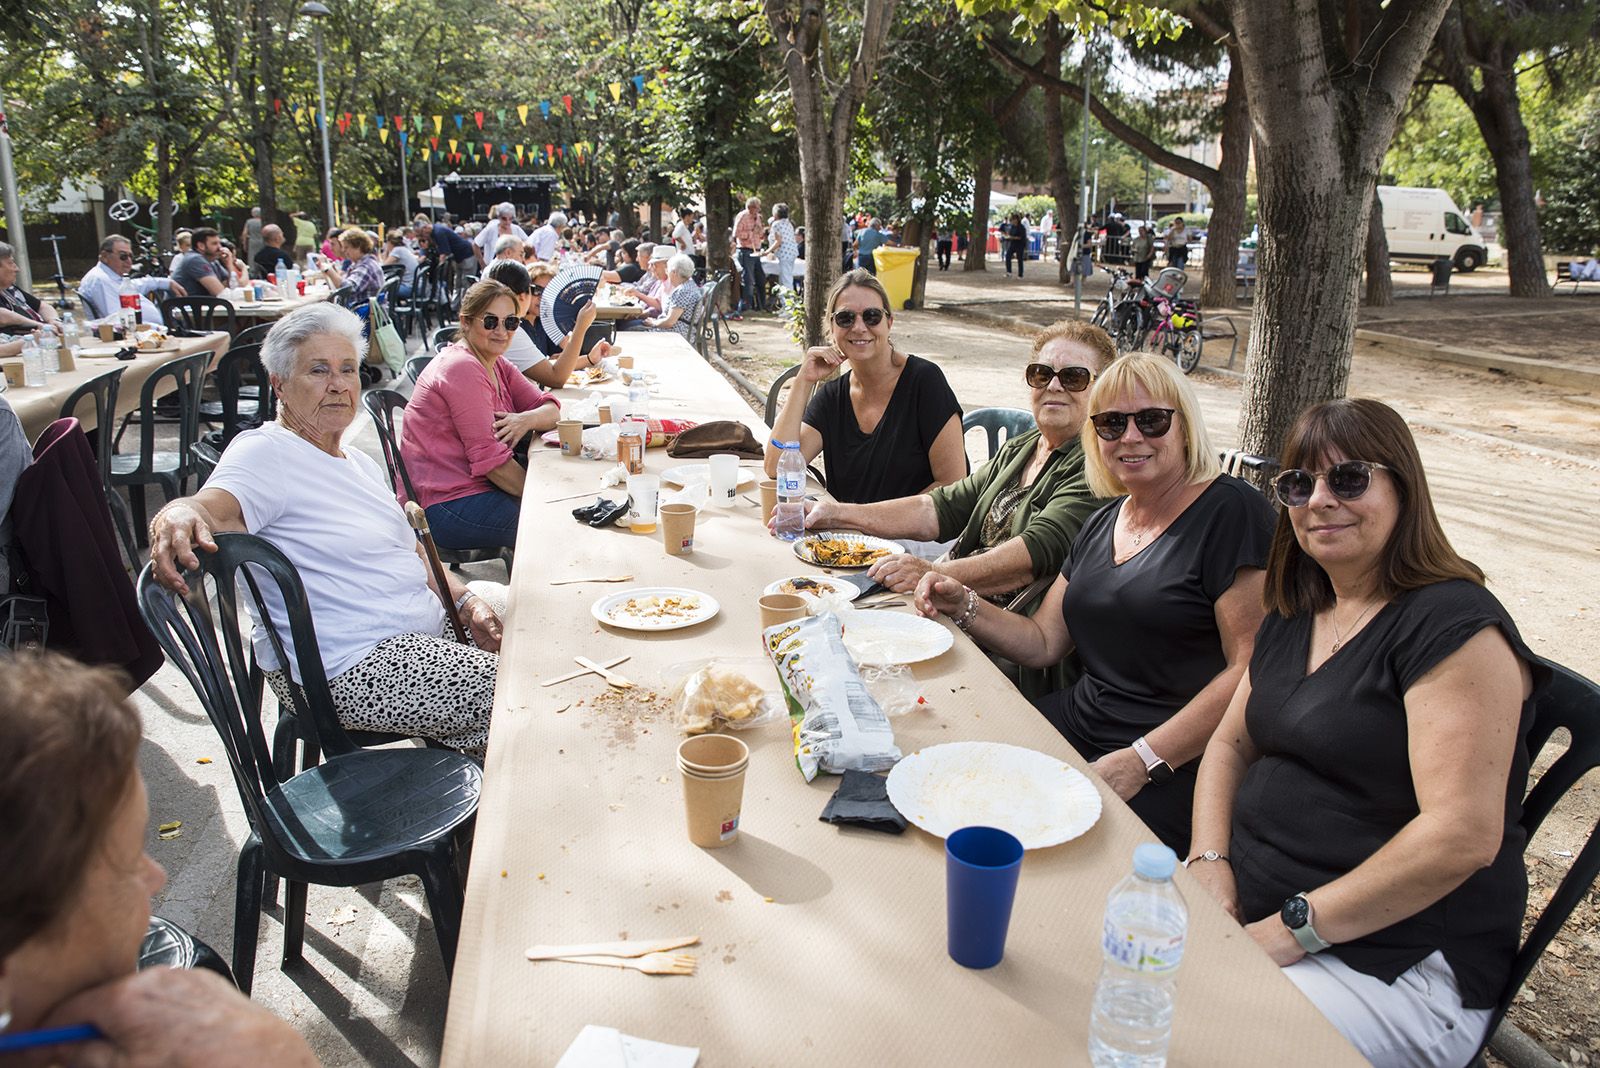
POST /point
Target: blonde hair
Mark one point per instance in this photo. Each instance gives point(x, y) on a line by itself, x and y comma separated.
point(357, 239)
point(1085, 334)
point(1161, 380)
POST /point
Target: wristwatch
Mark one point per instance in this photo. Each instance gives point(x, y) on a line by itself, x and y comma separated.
point(1296, 915)
point(1158, 771)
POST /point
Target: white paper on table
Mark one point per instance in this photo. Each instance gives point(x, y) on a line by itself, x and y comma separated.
point(606, 1047)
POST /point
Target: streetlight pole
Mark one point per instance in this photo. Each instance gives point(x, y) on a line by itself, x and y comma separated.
point(317, 12)
point(1083, 177)
point(13, 205)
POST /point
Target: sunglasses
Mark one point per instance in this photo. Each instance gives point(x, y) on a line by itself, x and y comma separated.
point(844, 320)
point(536, 289)
point(1347, 481)
point(122, 255)
point(1151, 422)
point(1072, 379)
point(495, 322)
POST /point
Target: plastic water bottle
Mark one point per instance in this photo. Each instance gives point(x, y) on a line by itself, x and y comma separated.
point(50, 351)
point(790, 513)
point(1145, 924)
point(71, 333)
point(32, 362)
point(639, 399)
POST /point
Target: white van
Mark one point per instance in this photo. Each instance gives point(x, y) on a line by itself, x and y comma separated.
point(1425, 224)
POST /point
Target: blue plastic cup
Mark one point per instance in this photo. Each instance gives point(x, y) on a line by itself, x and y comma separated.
point(981, 866)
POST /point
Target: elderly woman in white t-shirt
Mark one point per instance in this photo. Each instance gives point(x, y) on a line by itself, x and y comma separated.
point(337, 520)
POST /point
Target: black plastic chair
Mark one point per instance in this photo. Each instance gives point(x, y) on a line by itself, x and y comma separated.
point(102, 389)
point(361, 815)
point(166, 945)
point(417, 310)
point(415, 365)
point(344, 296)
point(253, 335)
point(1573, 702)
point(241, 383)
point(394, 270)
point(443, 336)
point(382, 404)
point(203, 314)
point(1013, 421)
point(203, 459)
point(170, 470)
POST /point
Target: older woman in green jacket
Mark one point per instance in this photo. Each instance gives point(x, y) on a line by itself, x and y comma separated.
point(1015, 517)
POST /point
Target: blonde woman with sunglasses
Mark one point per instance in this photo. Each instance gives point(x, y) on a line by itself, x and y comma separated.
point(470, 409)
point(1160, 596)
point(890, 425)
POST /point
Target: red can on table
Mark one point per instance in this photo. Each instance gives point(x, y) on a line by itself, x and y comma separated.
point(301, 286)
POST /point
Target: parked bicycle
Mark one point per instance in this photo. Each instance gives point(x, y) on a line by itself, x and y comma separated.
point(1178, 333)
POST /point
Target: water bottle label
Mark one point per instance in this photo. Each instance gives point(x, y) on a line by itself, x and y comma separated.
point(1136, 952)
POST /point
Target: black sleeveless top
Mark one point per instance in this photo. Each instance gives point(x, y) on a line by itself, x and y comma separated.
point(1333, 782)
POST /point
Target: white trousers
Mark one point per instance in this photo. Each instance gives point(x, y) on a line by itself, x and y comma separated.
point(1417, 1021)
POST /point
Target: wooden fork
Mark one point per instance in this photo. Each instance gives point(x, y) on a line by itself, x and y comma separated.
point(650, 963)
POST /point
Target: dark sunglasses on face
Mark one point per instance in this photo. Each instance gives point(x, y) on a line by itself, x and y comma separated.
point(122, 255)
point(495, 322)
point(536, 289)
point(844, 320)
point(1151, 422)
point(1347, 481)
point(1072, 379)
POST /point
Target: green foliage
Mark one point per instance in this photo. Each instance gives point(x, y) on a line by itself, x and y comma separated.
point(874, 198)
point(1569, 221)
point(1438, 146)
point(1034, 207)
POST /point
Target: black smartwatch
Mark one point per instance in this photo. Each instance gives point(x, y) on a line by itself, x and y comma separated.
point(1158, 771)
point(1296, 915)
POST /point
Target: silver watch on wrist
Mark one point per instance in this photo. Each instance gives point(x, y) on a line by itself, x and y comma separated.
point(1297, 915)
point(1157, 771)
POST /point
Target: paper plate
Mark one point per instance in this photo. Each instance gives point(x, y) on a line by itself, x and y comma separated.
point(848, 590)
point(99, 352)
point(806, 548)
point(885, 637)
point(641, 608)
point(684, 474)
point(1041, 800)
point(572, 288)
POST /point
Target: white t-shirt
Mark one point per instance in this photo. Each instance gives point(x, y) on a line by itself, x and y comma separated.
point(544, 241)
point(683, 237)
point(407, 259)
point(490, 236)
point(338, 522)
point(522, 352)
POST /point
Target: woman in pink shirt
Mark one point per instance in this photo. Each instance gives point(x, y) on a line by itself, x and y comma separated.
point(470, 407)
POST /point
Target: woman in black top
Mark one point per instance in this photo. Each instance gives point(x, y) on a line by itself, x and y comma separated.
point(1360, 801)
point(1014, 238)
point(890, 426)
point(1160, 595)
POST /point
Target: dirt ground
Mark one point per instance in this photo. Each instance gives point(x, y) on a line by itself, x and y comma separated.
point(1514, 467)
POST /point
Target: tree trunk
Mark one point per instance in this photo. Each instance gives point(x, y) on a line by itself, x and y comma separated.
point(1323, 121)
point(919, 235)
point(718, 259)
point(1218, 287)
point(655, 220)
point(1380, 283)
point(1498, 111)
point(1062, 186)
point(978, 240)
point(902, 187)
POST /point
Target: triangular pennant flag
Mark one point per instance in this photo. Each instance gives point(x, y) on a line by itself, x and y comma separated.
point(616, 91)
point(522, 113)
point(474, 159)
point(426, 153)
point(320, 119)
point(562, 151)
point(503, 159)
point(566, 102)
point(500, 115)
point(434, 141)
point(519, 154)
point(458, 121)
point(544, 109)
point(403, 137)
point(549, 151)
point(383, 134)
point(438, 125)
point(477, 117)
point(453, 143)
point(591, 96)
point(399, 121)
point(297, 113)
point(277, 105)
point(362, 120)
point(638, 83)
point(416, 123)
point(488, 149)
point(378, 120)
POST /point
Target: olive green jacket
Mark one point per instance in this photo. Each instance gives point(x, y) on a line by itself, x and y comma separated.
point(1047, 519)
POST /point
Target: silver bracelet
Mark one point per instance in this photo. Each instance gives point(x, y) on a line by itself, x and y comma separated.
point(969, 611)
point(466, 595)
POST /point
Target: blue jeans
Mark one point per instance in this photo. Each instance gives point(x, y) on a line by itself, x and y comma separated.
point(753, 277)
point(481, 521)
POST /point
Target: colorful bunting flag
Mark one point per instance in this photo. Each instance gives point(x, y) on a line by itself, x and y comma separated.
point(488, 149)
point(438, 125)
point(477, 117)
point(383, 134)
point(591, 96)
point(566, 101)
point(277, 105)
point(453, 144)
point(458, 122)
point(503, 158)
point(522, 113)
point(297, 113)
point(377, 120)
point(399, 121)
point(362, 120)
point(434, 141)
point(500, 115)
point(638, 83)
point(549, 151)
point(544, 109)
point(616, 91)
point(519, 155)
point(426, 153)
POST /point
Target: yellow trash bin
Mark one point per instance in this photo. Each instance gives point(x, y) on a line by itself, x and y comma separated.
point(896, 267)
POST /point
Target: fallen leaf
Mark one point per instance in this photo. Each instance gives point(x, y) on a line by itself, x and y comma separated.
point(343, 916)
point(167, 836)
point(202, 760)
point(171, 825)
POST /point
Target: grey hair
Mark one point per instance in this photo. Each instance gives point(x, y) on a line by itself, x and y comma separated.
point(557, 219)
point(681, 267)
point(616, 235)
point(507, 245)
point(7, 252)
point(281, 350)
point(506, 209)
point(110, 243)
point(751, 202)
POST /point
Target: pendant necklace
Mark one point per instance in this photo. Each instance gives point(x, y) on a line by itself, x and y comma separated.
point(1333, 619)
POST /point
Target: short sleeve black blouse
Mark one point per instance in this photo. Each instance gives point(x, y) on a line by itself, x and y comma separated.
point(892, 461)
point(1333, 782)
point(1146, 629)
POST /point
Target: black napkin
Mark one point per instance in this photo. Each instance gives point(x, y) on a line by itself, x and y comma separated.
point(861, 581)
point(862, 800)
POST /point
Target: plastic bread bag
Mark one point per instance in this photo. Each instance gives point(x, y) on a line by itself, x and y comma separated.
point(720, 692)
point(895, 688)
point(837, 725)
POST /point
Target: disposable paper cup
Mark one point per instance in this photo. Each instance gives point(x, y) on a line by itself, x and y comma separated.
point(724, 478)
point(981, 866)
point(571, 431)
point(677, 528)
point(712, 767)
point(605, 413)
point(624, 361)
point(769, 498)
point(107, 332)
point(781, 608)
point(644, 493)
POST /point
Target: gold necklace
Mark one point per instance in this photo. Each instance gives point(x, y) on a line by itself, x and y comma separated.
point(1333, 620)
